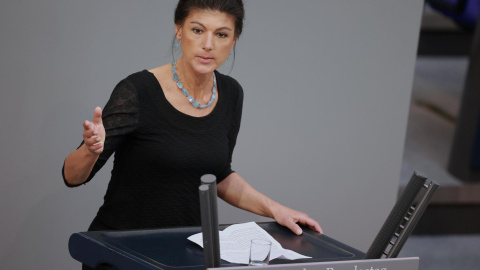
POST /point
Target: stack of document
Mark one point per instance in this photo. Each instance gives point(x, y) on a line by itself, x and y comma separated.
point(235, 243)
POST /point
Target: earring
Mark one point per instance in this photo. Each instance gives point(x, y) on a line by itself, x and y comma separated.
point(177, 44)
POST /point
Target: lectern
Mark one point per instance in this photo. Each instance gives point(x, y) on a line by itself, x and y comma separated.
point(169, 249)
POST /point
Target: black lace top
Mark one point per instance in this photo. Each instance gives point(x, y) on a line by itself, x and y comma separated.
point(161, 153)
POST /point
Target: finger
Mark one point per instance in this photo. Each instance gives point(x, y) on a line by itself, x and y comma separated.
point(97, 148)
point(86, 125)
point(89, 133)
point(93, 140)
point(97, 145)
point(311, 223)
point(94, 146)
point(317, 228)
point(97, 116)
point(294, 227)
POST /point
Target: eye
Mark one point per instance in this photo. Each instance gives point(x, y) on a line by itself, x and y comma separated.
point(222, 35)
point(197, 30)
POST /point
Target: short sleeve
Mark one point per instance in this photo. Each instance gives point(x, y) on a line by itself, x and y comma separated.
point(120, 118)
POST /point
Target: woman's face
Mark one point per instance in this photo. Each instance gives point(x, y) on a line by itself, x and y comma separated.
point(207, 38)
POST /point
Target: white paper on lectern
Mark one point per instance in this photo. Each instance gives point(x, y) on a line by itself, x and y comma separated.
point(235, 243)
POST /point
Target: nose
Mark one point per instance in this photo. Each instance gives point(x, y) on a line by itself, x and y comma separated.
point(208, 42)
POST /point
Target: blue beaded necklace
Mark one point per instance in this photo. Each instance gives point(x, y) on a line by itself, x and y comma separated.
point(194, 103)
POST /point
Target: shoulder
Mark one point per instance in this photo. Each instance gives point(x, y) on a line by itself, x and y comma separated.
point(139, 79)
point(127, 90)
point(230, 86)
point(228, 81)
point(129, 83)
point(139, 83)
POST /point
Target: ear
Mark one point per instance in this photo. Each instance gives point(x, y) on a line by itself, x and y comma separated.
point(178, 31)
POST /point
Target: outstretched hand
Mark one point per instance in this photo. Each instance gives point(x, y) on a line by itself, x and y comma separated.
point(94, 132)
point(289, 218)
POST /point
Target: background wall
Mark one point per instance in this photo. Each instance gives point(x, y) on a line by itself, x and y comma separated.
point(327, 87)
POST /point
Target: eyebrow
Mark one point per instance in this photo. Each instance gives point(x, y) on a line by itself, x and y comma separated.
point(221, 28)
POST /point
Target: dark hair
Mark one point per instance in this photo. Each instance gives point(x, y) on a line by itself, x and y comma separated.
point(231, 7)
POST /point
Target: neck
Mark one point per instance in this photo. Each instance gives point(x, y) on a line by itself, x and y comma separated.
point(198, 85)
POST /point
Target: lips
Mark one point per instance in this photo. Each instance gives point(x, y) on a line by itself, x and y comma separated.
point(204, 59)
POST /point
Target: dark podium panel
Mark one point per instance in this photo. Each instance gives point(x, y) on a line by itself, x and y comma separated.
point(170, 249)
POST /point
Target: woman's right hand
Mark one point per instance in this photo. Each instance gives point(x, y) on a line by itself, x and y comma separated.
point(94, 133)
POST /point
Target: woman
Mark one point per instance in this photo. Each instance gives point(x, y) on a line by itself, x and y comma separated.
point(170, 125)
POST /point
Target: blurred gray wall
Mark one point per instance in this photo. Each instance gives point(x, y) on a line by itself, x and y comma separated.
point(327, 87)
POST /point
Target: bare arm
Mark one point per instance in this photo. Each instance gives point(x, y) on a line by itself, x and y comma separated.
point(79, 163)
point(236, 191)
